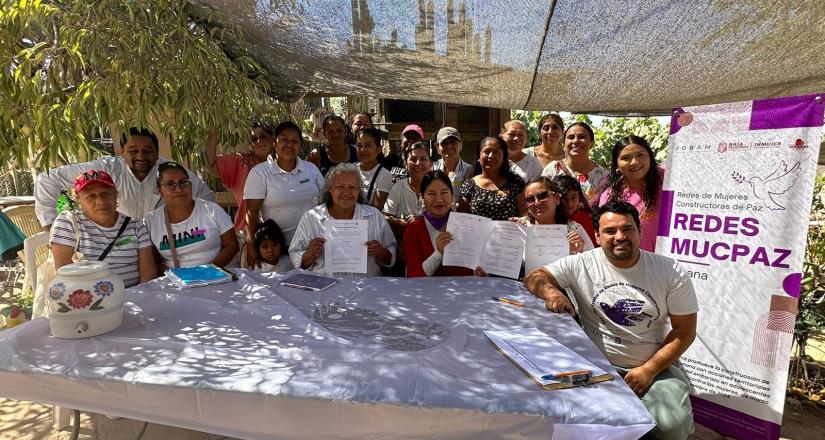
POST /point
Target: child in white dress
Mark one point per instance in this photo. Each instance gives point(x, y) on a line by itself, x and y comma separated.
point(272, 248)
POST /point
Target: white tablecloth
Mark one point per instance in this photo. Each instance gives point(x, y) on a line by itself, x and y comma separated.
point(373, 358)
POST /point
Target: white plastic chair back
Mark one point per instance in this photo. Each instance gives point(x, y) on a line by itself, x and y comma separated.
point(30, 246)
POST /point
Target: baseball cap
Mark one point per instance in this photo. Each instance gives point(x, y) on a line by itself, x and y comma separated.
point(447, 132)
point(92, 176)
point(415, 128)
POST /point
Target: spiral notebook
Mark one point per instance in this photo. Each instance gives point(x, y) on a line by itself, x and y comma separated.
point(196, 276)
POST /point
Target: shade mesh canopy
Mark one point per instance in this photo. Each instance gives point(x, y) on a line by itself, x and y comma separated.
point(579, 56)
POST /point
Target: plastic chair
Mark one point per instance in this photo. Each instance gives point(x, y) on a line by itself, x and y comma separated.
point(35, 251)
point(24, 217)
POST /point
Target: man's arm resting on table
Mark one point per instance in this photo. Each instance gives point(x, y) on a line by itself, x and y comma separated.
point(543, 284)
point(681, 335)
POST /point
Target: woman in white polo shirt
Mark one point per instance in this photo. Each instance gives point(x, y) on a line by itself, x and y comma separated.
point(281, 189)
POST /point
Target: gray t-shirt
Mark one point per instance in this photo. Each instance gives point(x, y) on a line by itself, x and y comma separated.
point(625, 311)
point(122, 258)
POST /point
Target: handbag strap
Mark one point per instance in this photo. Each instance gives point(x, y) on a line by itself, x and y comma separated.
point(170, 238)
point(112, 244)
point(372, 183)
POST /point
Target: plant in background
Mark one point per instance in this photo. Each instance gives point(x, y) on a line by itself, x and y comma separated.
point(73, 70)
point(810, 320)
point(612, 129)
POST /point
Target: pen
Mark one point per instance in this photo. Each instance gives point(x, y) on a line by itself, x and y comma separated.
point(508, 301)
point(558, 376)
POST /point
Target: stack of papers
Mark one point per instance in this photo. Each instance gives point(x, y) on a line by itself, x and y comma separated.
point(539, 355)
point(196, 276)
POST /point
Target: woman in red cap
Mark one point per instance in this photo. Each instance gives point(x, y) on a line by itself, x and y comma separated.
point(99, 232)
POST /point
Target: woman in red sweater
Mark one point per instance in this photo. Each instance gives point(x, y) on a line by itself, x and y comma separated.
point(426, 237)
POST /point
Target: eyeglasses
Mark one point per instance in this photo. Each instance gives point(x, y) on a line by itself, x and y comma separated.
point(263, 137)
point(171, 185)
point(540, 197)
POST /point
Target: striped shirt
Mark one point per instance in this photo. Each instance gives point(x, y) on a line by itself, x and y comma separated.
point(122, 258)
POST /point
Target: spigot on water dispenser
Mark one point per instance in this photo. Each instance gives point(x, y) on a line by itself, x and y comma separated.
point(81, 327)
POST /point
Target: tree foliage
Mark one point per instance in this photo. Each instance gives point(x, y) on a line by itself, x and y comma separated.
point(606, 133)
point(72, 70)
point(811, 317)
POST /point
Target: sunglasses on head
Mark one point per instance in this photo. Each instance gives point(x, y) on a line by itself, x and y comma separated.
point(91, 174)
point(542, 196)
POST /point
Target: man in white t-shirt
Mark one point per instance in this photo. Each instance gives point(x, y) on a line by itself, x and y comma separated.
point(639, 308)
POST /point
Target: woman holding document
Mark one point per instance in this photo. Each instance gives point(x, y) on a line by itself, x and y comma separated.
point(426, 237)
point(343, 236)
point(495, 191)
point(542, 201)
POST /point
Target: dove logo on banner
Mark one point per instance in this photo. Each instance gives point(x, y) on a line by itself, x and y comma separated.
point(736, 217)
point(768, 189)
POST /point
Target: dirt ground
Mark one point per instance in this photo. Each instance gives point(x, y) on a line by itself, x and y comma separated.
point(31, 421)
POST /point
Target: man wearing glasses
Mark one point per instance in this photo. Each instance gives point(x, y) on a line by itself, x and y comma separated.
point(133, 174)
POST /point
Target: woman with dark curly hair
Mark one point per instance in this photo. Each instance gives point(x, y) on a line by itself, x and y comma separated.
point(495, 191)
point(636, 178)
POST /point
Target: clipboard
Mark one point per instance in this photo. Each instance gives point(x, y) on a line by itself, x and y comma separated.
point(537, 354)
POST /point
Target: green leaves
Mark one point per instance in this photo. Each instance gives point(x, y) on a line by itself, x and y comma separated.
point(70, 69)
point(811, 317)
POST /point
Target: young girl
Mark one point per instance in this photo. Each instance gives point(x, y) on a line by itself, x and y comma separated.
point(575, 203)
point(272, 248)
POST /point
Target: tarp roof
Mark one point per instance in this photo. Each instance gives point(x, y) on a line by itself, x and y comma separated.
point(592, 56)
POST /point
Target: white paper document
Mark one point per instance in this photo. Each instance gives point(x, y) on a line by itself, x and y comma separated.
point(504, 249)
point(539, 355)
point(496, 246)
point(345, 249)
point(545, 244)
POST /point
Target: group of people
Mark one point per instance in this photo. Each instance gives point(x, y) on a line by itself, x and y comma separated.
point(143, 214)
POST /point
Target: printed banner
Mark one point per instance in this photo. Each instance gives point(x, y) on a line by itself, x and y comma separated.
point(735, 211)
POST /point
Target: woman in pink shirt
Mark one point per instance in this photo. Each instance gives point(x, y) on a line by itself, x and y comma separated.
point(233, 168)
point(636, 178)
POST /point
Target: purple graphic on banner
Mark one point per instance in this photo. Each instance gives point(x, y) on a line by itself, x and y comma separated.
point(788, 112)
point(679, 118)
point(665, 214)
point(792, 284)
point(730, 422)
